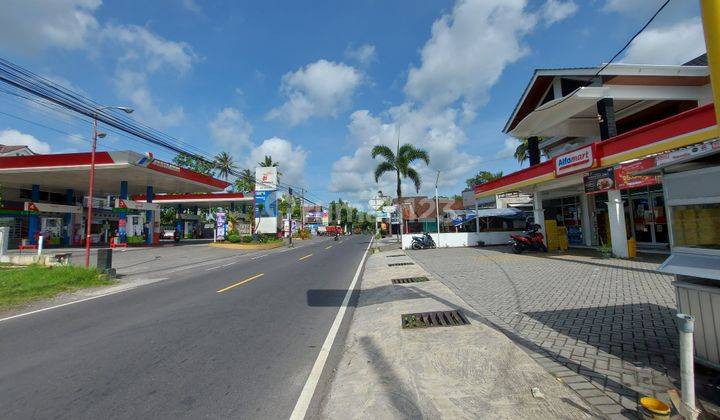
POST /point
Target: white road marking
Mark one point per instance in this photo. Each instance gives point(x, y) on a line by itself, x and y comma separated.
point(303, 402)
point(259, 256)
point(220, 266)
point(77, 301)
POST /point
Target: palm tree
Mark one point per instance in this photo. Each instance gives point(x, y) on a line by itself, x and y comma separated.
point(521, 152)
point(224, 164)
point(268, 162)
point(400, 163)
point(483, 177)
point(245, 182)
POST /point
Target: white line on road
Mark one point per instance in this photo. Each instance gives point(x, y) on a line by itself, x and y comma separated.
point(303, 402)
point(259, 256)
point(220, 266)
point(75, 301)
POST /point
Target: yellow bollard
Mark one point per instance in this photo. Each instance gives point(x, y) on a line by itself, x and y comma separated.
point(632, 248)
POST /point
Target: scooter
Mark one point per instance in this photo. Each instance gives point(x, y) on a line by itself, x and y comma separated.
point(337, 236)
point(422, 242)
point(530, 240)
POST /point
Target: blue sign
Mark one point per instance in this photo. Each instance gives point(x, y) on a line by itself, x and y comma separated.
point(265, 203)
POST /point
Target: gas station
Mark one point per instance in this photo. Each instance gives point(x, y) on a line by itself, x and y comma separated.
point(47, 195)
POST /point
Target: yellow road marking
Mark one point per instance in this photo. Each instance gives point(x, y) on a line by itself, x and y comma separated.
point(241, 282)
point(328, 247)
point(307, 256)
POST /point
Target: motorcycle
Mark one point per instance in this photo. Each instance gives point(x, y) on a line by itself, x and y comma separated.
point(422, 242)
point(530, 240)
point(337, 236)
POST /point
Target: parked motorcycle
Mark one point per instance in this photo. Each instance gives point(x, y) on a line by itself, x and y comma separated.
point(422, 242)
point(337, 236)
point(530, 240)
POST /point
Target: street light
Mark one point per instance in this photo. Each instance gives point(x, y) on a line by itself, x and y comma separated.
point(96, 134)
point(437, 207)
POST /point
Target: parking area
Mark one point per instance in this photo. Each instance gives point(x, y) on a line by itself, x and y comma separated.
point(604, 326)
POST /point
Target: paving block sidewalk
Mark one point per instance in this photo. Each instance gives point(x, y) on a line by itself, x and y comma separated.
point(469, 371)
point(604, 326)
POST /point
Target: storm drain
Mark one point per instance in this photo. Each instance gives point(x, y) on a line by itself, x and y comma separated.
point(393, 256)
point(409, 280)
point(434, 319)
point(398, 264)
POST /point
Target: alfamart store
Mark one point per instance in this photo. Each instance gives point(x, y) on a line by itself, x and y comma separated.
point(606, 193)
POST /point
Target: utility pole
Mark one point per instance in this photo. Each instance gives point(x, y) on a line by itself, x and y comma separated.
point(302, 208)
point(289, 216)
point(437, 207)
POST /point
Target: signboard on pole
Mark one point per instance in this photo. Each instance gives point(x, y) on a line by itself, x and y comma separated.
point(265, 204)
point(51, 208)
point(266, 179)
point(220, 225)
point(598, 181)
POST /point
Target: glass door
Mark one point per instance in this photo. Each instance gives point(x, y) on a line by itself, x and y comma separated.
point(642, 216)
point(660, 229)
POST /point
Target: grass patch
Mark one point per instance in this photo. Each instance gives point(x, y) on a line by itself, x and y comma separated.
point(22, 285)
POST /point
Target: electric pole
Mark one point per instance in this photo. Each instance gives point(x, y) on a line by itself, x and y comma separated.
point(289, 216)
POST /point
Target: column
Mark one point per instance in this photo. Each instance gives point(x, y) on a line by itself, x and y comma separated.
point(585, 222)
point(67, 219)
point(34, 219)
point(618, 234)
point(149, 217)
point(477, 219)
point(539, 214)
point(710, 12)
point(179, 225)
point(606, 111)
point(122, 222)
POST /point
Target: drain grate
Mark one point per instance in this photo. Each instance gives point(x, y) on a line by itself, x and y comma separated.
point(392, 256)
point(398, 264)
point(434, 319)
point(409, 280)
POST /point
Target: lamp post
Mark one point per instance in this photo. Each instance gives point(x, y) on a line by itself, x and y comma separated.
point(91, 187)
point(437, 207)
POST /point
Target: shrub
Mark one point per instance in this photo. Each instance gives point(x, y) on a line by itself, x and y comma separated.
point(234, 237)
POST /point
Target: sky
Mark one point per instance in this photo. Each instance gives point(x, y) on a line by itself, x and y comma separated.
point(317, 84)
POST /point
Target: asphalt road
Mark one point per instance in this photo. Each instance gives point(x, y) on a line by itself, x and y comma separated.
point(178, 347)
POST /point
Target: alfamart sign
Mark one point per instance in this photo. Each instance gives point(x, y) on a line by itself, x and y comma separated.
point(575, 161)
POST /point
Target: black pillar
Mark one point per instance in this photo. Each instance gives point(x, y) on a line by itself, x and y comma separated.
point(533, 150)
point(606, 114)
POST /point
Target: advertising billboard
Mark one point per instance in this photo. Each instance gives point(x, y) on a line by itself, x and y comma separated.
point(266, 179)
point(599, 181)
point(625, 178)
point(265, 203)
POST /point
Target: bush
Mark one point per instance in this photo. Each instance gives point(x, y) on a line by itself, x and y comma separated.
point(234, 237)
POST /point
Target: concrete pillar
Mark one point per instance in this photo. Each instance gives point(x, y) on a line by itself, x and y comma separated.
point(533, 150)
point(539, 214)
point(34, 219)
point(477, 219)
point(122, 222)
point(179, 223)
point(585, 223)
point(618, 234)
point(710, 12)
point(68, 218)
point(149, 217)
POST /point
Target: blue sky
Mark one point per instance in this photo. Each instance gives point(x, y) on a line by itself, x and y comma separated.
point(317, 84)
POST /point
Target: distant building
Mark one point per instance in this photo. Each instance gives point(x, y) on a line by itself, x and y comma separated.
point(419, 213)
point(20, 150)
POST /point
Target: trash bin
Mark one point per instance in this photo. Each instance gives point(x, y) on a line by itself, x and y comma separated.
point(632, 248)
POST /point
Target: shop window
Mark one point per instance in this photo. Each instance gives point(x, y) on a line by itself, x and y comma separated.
point(696, 226)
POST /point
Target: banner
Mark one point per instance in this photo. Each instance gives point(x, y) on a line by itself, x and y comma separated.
point(599, 181)
point(265, 204)
point(625, 179)
point(266, 179)
point(121, 205)
point(51, 208)
point(220, 225)
point(325, 218)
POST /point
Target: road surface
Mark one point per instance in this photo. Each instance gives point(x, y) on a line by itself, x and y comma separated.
point(233, 340)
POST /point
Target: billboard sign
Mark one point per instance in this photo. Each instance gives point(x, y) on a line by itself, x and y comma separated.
point(599, 181)
point(624, 174)
point(266, 179)
point(575, 161)
point(265, 204)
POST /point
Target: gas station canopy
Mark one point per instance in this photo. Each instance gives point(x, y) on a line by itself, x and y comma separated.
point(221, 199)
point(71, 171)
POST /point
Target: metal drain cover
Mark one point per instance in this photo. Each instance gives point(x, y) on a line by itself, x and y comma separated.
point(409, 280)
point(434, 319)
point(392, 256)
point(398, 264)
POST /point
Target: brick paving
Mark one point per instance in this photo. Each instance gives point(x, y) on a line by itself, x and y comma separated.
point(605, 327)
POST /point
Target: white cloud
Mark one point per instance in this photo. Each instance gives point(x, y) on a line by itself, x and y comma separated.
point(192, 6)
point(231, 130)
point(555, 10)
point(364, 54)
point(508, 149)
point(631, 6)
point(320, 89)
point(132, 86)
point(673, 44)
point(291, 159)
point(35, 25)
point(468, 51)
point(11, 137)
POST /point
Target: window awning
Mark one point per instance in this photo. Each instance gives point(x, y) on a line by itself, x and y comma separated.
point(695, 265)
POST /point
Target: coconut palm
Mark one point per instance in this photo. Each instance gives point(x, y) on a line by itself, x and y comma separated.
point(224, 164)
point(268, 162)
point(245, 182)
point(400, 163)
point(521, 152)
point(483, 177)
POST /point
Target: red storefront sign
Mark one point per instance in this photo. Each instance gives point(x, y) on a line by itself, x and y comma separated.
point(625, 179)
point(576, 160)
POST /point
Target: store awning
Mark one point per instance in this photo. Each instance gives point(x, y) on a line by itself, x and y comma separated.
point(694, 265)
point(505, 213)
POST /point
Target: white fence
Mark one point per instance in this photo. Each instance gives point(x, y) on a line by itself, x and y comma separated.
point(461, 239)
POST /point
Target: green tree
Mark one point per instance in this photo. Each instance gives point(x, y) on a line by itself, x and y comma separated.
point(245, 182)
point(521, 151)
point(195, 163)
point(400, 163)
point(483, 177)
point(224, 164)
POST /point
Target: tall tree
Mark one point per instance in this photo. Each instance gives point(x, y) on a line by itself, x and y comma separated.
point(482, 177)
point(194, 163)
point(400, 163)
point(268, 162)
point(521, 152)
point(245, 182)
point(224, 164)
